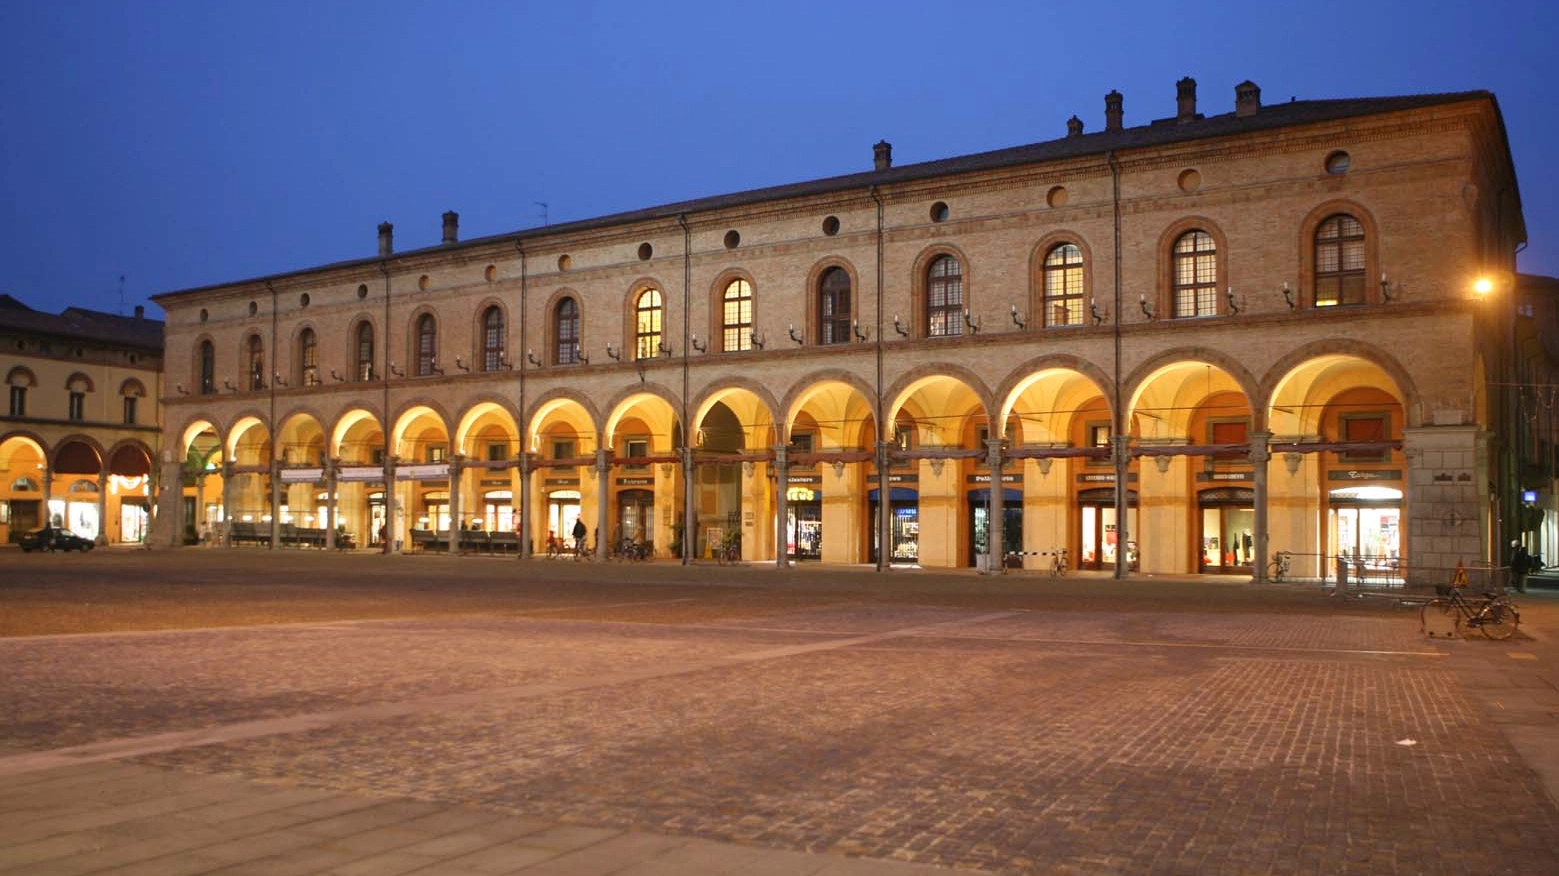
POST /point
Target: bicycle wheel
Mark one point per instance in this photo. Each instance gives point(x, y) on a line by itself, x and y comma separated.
point(1499, 620)
point(1439, 614)
point(1275, 572)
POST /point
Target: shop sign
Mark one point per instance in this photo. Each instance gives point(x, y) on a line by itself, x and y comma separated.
point(428, 472)
point(1006, 478)
point(302, 475)
point(1356, 475)
point(360, 473)
point(634, 482)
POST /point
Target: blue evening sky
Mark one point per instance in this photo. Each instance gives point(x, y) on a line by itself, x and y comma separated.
point(182, 143)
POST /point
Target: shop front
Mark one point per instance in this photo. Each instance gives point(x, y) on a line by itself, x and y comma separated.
point(903, 524)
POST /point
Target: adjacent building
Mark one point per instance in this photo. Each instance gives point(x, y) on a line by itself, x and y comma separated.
point(1175, 347)
point(80, 429)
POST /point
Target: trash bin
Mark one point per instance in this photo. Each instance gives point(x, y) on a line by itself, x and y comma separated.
point(1342, 573)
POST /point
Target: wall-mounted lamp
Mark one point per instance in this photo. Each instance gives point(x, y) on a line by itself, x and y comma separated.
point(795, 337)
point(1385, 288)
point(899, 327)
point(396, 371)
point(1234, 309)
point(698, 345)
point(614, 355)
point(856, 328)
point(1288, 296)
point(579, 355)
point(181, 389)
point(1093, 309)
point(974, 327)
point(277, 379)
point(228, 384)
point(530, 356)
point(461, 365)
point(1142, 300)
point(433, 367)
point(1016, 320)
point(503, 362)
point(336, 377)
point(757, 340)
point(665, 348)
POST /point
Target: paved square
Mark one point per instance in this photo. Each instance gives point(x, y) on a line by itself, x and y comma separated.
point(1013, 730)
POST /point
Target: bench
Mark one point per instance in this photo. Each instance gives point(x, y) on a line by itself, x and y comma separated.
point(248, 532)
point(423, 540)
point(302, 536)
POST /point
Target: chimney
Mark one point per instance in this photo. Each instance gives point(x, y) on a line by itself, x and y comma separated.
point(1112, 111)
point(1185, 97)
point(1247, 99)
point(882, 155)
point(1074, 127)
point(386, 238)
point(451, 227)
point(140, 311)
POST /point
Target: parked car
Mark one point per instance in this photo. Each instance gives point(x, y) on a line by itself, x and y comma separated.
point(54, 539)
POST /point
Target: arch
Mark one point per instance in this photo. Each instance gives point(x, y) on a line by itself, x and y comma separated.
point(920, 284)
point(191, 431)
point(349, 422)
point(410, 414)
point(1162, 296)
point(132, 387)
point(489, 407)
point(1068, 382)
point(1172, 374)
point(847, 402)
point(249, 431)
point(79, 382)
point(1038, 255)
point(914, 379)
point(724, 389)
point(76, 454)
point(741, 397)
point(625, 400)
point(129, 457)
point(31, 439)
point(813, 327)
point(644, 317)
point(21, 376)
point(1316, 355)
point(1306, 242)
point(301, 439)
point(553, 401)
point(800, 392)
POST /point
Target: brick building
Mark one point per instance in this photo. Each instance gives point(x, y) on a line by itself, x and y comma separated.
point(80, 427)
point(1177, 346)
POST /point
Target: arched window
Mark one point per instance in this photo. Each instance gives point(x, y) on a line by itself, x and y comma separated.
point(427, 344)
point(1339, 261)
point(1064, 285)
point(565, 327)
point(833, 307)
point(492, 339)
point(944, 298)
point(208, 368)
point(256, 364)
point(308, 358)
point(736, 317)
point(364, 344)
point(1194, 273)
point(647, 313)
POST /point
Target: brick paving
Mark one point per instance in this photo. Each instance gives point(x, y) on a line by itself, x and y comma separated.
point(1118, 733)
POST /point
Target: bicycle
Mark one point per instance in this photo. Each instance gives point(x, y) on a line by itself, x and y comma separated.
point(629, 549)
point(1058, 563)
point(1278, 569)
point(730, 549)
point(1495, 614)
point(554, 547)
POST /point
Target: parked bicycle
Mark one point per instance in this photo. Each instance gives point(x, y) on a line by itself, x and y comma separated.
point(554, 547)
point(1277, 570)
point(1495, 614)
point(630, 549)
point(729, 549)
point(1058, 562)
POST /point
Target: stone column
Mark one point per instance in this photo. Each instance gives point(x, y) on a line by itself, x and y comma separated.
point(603, 486)
point(48, 495)
point(527, 526)
point(1260, 457)
point(689, 509)
point(1120, 454)
point(168, 522)
point(456, 513)
point(275, 503)
point(884, 522)
point(392, 527)
point(227, 505)
point(995, 556)
point(781, 507)
point(1447, 501)
point(102, 507)
point(331, 465)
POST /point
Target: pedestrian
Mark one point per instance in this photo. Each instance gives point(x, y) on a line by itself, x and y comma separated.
point(579, 536)
point(1520, 565)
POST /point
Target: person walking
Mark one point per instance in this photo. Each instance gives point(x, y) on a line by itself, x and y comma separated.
point(579, 537)
point(1520, 565)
